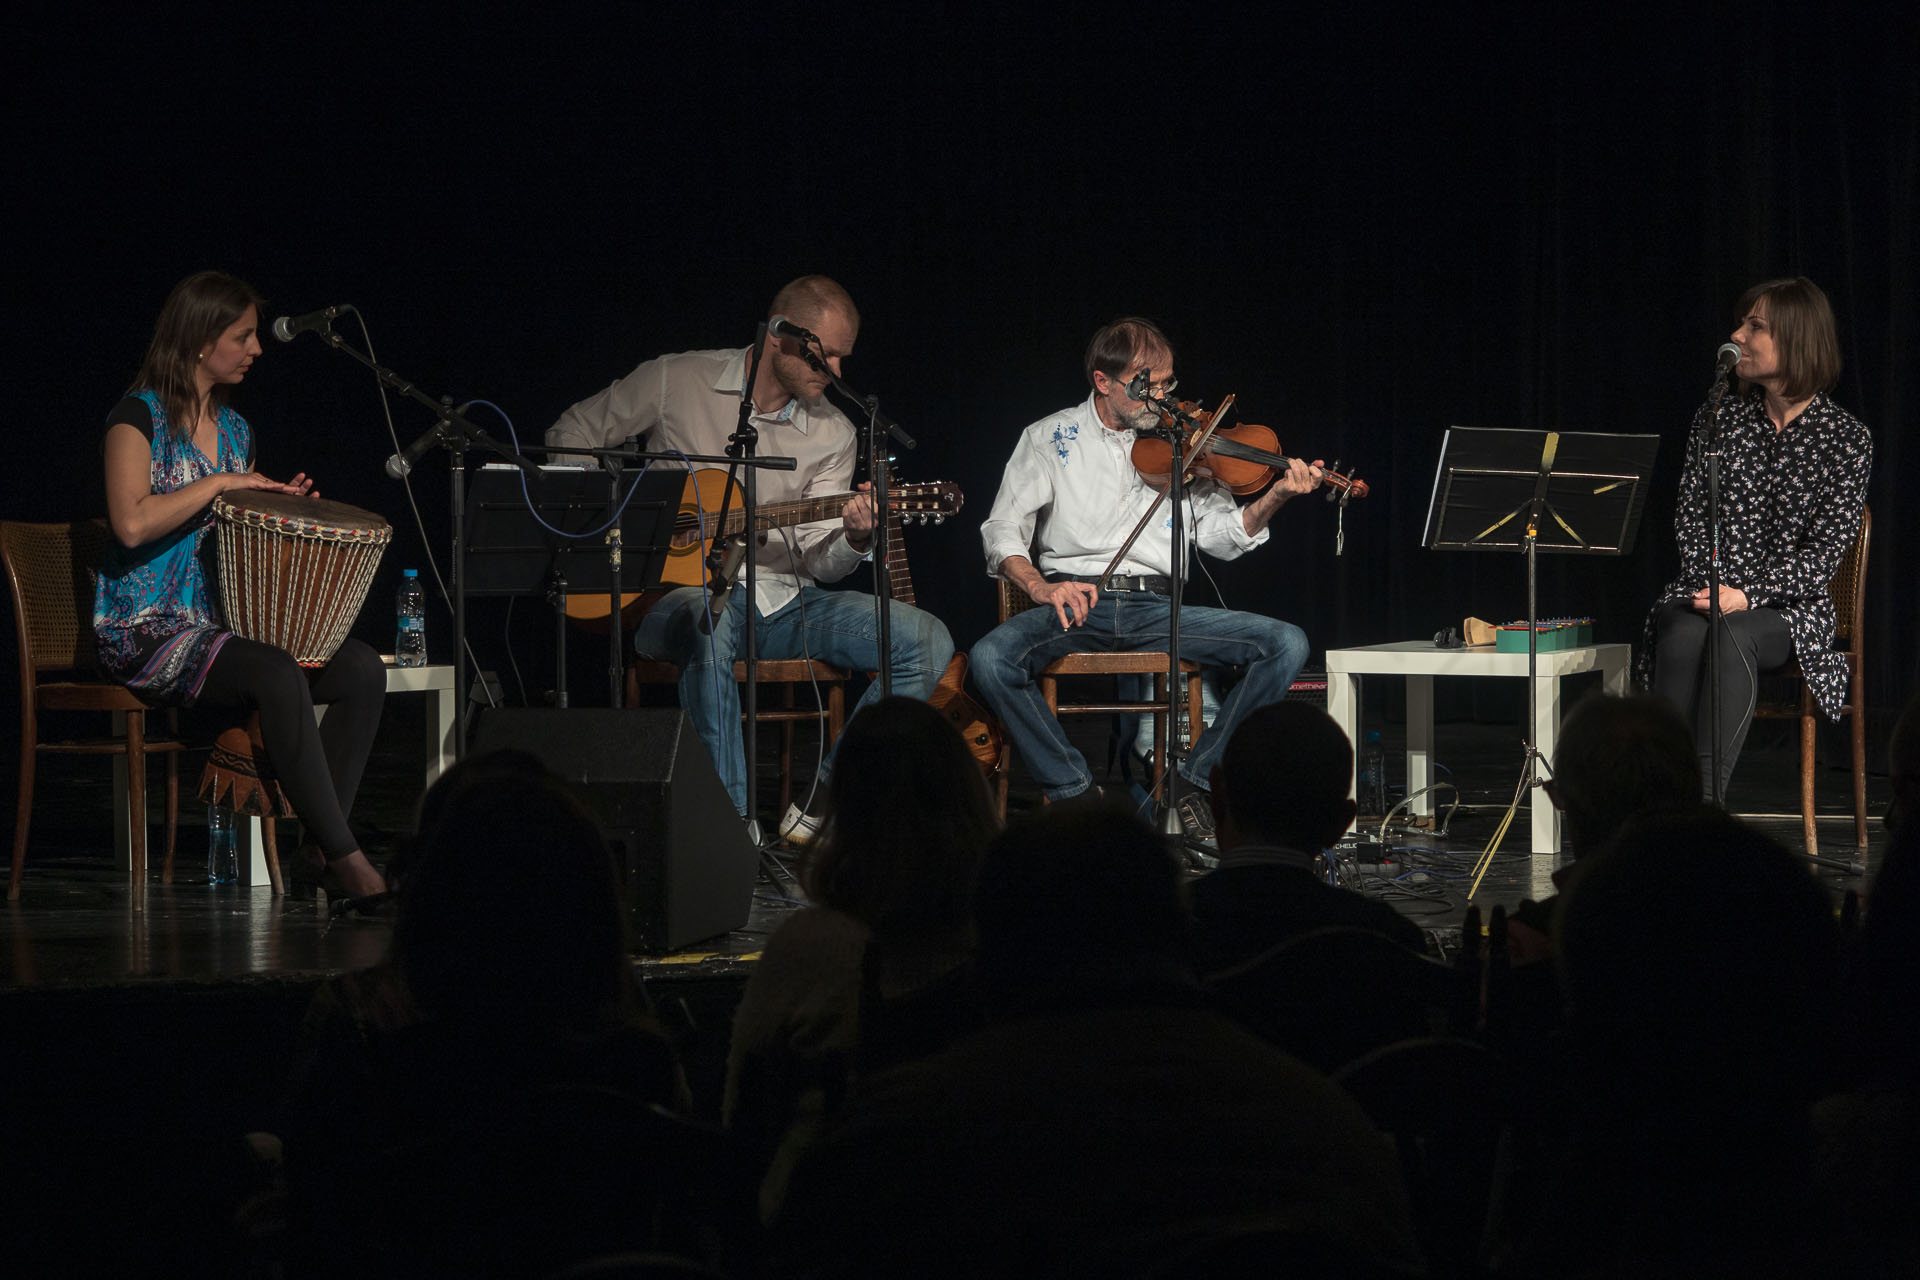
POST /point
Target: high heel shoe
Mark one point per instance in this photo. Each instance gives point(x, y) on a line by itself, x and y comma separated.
point(310, 873)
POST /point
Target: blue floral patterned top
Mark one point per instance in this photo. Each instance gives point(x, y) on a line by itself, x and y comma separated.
point(155, 616)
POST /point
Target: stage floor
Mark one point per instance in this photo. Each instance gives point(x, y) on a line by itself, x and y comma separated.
point(76, 923)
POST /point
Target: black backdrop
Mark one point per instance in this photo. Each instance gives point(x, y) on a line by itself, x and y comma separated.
point(1368, 226)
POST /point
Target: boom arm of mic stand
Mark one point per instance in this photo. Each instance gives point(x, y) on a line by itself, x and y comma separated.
point(894, 429)
point(446, 418)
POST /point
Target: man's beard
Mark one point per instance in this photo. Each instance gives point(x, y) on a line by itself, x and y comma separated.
point(794, 379)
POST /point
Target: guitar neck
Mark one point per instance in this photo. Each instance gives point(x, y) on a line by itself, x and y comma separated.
point(899, 581)
point(778, 515)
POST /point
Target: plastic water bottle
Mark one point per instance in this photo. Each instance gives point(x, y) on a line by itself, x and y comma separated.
point(1372, 797)
point(410, 608)
point(223, 865)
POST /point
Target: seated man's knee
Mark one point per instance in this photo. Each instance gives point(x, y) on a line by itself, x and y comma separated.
point(1284, 640)
point(995, 651)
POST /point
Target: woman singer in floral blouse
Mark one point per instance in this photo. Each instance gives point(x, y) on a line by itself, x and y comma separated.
point(1793, 487)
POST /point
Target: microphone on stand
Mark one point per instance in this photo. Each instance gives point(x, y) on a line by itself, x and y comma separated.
point(1725, 358)
point(781, 327)
point(287, 328)
point(403, 462)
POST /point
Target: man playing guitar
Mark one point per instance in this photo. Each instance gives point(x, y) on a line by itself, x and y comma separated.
point(691, 402)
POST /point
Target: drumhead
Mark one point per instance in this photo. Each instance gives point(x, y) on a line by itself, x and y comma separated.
point(317, 517)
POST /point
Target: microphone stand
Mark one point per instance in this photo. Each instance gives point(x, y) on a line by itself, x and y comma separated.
point(881, 549)
point(740, 452)
point(452, 431)
point(1174, 430)
point(1714, 620)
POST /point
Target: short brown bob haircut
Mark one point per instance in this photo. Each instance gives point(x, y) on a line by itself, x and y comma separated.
point(1803, 333)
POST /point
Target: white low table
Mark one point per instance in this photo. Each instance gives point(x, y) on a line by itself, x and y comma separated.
point(1418, 661)
point(435, 680)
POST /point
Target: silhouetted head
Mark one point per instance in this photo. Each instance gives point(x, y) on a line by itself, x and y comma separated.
point(509, 901)
point(1284, 779)
point(1700, 962)
point(1618, 758)
point(1077, 887)
point(908, 820)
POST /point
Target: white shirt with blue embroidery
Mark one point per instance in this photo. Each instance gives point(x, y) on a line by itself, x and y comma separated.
point(1070, 496)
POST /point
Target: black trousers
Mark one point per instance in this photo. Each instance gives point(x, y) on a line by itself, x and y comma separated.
point(320, 766)
point(1750, 641)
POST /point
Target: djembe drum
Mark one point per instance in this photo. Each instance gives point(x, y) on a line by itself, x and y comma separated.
point(295, 571)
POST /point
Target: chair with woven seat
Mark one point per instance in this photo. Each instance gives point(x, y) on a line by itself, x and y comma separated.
point(1141, 662)
point(785, 674)
point(50, 570)
point(1849, 588)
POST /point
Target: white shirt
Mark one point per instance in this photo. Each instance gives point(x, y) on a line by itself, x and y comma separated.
point(1070, 496)
point(691, 402)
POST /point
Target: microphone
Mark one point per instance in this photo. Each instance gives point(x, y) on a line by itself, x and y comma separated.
point(1137, 386)
point(781, 327)
point(1725, 358)
point(287, 328)
point(403, 462)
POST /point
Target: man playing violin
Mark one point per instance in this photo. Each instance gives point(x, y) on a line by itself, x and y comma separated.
point(1067, 502)
point(691, 402)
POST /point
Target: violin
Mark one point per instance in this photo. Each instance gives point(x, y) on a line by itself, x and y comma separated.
point(1244, 458)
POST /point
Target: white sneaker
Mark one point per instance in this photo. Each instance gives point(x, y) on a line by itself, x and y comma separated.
point(799, 828)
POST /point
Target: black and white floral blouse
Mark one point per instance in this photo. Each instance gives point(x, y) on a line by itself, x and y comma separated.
point(1790, 505)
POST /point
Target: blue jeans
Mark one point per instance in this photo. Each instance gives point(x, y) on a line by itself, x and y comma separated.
point(835, 627)
point(1007, 662)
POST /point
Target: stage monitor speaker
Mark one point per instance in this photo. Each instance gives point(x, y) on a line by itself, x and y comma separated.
point(686, 865)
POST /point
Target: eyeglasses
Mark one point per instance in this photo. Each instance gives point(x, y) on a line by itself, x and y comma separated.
point(1155, 390)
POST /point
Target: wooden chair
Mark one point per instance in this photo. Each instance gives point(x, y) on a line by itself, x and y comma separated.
point(784, 674)
point(50, 570)
point(1849, 588)
point(1101, 663)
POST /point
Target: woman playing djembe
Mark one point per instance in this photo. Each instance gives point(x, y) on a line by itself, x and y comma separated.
point(173, 445)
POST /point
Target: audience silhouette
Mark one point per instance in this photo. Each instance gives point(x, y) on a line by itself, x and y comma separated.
point(505, 1027)
point(1280, 798)
point(1107, 1119)
point(1700, 964)
point(876, 969)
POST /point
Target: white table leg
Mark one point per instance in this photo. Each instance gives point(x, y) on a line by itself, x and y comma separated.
point(1613, 676)
point(1545, 817)
point(252, 859)
point(440, 725)
point(1343, 704)
point(1420, 740)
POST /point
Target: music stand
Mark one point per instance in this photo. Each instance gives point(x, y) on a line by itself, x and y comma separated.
point(1568, 492)
point(511, 553)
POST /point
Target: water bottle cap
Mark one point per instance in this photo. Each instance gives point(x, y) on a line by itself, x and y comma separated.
point(409, 573)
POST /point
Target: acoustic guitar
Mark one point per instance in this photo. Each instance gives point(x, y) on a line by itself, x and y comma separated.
point(699, 521)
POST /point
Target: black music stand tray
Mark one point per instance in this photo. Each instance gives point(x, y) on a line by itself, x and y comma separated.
point(1570, 492)
point(509, 553)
